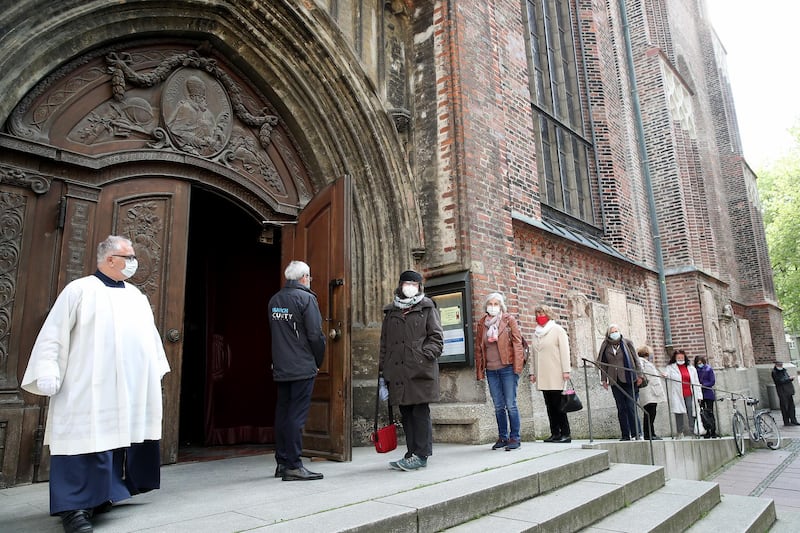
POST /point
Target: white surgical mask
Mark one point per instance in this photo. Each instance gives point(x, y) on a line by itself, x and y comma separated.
point(614, 336)
point(130, 268)
point(700, 365)
point(493, 310)
point(681, 362)
point(409, 291)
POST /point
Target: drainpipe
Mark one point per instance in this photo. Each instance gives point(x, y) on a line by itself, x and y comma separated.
point(648, 182)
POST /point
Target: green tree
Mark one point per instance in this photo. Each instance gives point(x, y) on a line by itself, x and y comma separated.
point(779, 190)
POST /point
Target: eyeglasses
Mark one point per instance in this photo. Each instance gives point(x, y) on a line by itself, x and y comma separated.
point(126, 257)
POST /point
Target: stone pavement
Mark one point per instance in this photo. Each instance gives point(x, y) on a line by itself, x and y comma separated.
point(767, 473)
point(241, 494)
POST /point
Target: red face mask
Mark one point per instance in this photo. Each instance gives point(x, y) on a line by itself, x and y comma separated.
point(542, 320)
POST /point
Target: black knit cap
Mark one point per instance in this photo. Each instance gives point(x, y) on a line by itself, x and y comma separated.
point(410, 275)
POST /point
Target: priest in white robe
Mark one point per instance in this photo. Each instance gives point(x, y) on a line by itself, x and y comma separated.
point(100, 358)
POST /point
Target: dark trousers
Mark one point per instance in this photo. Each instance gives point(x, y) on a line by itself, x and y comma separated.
point(418, 429)
point(291, 411)
point(88, 480)
point(648, 424)
point(559, 424)
point(625, 398)
point(708, 404)
point(787, 409)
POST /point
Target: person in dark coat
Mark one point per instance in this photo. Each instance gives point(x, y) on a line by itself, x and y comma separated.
point(785, 389)
point(411, 342)
point(298, 348)
point(620, 366)
point(707, 378)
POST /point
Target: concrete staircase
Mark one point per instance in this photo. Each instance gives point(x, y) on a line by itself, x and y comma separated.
point(571, 490)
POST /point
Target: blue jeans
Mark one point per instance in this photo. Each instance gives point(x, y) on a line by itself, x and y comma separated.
point(503, 388)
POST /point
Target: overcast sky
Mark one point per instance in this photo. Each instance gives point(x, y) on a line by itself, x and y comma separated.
point(761, 41)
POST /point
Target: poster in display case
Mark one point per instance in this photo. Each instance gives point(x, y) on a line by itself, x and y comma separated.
point(453, 296)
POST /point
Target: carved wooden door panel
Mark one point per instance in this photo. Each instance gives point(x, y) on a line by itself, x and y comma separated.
point(154, 215)
point(321, 239)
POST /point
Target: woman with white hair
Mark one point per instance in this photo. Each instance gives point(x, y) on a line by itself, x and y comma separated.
point(499, 358)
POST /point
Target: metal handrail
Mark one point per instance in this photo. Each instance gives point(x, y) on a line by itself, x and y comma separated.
point(598, 365)
point(588, 403)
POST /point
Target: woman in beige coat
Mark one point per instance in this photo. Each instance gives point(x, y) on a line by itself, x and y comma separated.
point(550, 370)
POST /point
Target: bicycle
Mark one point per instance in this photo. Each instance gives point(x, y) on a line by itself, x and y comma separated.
point(764, 426)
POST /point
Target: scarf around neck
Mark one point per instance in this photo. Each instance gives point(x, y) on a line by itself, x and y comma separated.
point(492, 323)
point(406, 303)
point(541, 331)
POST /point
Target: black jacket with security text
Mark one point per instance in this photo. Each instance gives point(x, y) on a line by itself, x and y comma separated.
point(298, 343)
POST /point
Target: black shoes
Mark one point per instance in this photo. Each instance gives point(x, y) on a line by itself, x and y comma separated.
point(77, 521)
point(300, 474)
point(279, 470)
point(553, 438)
point(564, 439)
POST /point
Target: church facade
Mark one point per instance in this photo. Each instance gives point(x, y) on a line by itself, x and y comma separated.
point(581, 154)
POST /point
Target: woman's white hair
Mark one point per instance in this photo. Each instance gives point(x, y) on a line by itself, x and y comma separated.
point(296, 270)
point(496, 296)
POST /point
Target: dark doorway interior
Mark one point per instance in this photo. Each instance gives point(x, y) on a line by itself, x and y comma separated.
point(227, 393)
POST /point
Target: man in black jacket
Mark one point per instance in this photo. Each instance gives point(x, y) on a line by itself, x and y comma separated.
point(298, 347)
point(785, 390)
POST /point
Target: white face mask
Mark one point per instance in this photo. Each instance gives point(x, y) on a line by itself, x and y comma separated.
point(614, 336)
point(681, 362)
point(130, 267)
point(410, 290)
point(493, 310)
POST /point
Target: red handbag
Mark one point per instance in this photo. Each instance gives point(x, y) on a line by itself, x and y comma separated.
point(385, 438)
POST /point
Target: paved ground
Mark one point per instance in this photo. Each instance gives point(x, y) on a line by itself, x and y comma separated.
point(767, 473)
point(240, 493)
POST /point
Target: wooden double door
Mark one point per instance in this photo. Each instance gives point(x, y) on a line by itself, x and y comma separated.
point(209, 268)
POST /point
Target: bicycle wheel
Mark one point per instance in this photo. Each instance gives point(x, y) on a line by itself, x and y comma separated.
point(738, 428)
point(770, 433)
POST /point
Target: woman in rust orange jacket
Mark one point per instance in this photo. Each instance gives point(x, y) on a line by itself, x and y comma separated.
point(499, 358)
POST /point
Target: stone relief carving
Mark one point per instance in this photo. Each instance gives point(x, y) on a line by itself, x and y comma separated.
point(728, 331)
point(711, 327)
point(746, 357)
point(12, 213)
point(580, 328)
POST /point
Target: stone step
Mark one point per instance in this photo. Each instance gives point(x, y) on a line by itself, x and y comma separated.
point(786, 523)
point(674, 507)
point(745, 514)
point(442, 505)
point(574, 506)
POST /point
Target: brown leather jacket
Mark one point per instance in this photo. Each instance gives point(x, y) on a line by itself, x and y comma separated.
point(509, 343)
